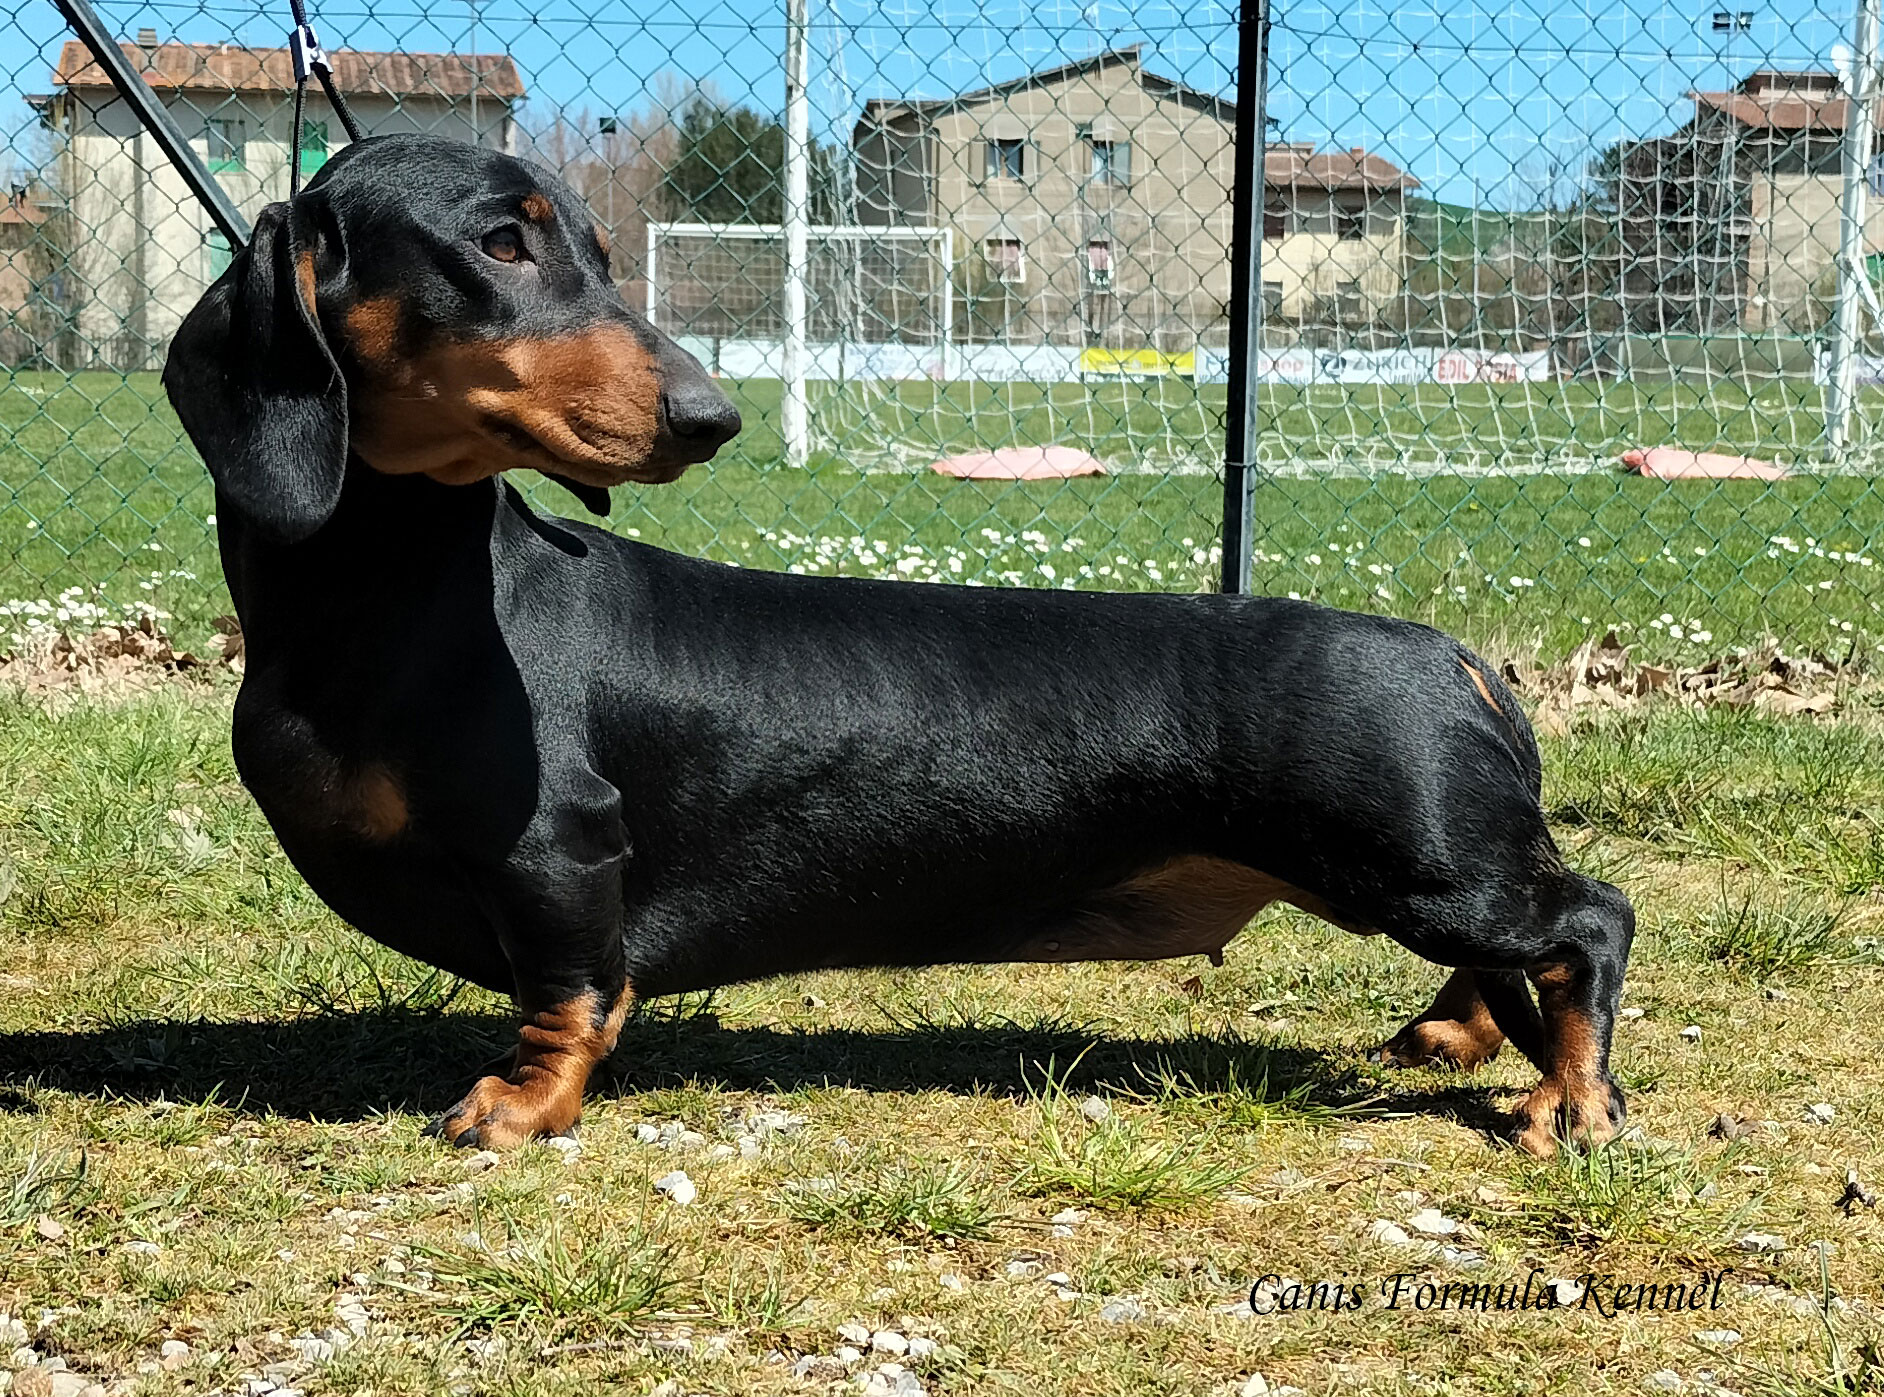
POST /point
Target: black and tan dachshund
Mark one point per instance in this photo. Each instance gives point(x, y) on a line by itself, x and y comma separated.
point(583, 770)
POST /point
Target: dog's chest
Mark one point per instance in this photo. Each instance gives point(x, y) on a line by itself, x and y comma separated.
point(368, 761)
point(310, 777)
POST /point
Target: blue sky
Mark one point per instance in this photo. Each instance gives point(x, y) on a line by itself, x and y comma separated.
point(1479, 100)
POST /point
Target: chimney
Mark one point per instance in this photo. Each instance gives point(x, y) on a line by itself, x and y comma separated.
point(1357, 151)
point(147, 39)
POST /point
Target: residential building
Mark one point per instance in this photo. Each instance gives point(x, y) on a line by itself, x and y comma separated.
point(1733, 221)
point(1091, 202)
point(1334, 233)
point(144, 250)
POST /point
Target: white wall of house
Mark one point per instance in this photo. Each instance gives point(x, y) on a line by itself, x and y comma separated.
point(1792, 255)
point(145, 249)
point(1312, 265)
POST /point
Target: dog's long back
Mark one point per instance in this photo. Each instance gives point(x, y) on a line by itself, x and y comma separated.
point(884, 773)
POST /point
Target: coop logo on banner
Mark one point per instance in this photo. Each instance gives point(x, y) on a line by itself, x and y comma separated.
point(1401, 366)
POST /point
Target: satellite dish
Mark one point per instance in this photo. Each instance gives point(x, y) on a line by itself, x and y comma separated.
point(1842, 57)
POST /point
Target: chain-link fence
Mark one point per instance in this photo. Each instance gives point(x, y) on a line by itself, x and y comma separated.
point(1502, 247)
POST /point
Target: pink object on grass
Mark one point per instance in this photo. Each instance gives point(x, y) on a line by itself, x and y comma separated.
point(1020, 463)
point(1673, 463)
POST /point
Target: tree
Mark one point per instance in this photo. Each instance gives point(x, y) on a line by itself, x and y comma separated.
point(618, 164)
point(729, 167)
point(1680, 209)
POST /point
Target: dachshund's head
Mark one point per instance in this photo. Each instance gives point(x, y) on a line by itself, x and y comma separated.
point(431, 308)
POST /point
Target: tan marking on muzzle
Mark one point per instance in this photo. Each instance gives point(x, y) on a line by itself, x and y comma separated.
point(587, 406)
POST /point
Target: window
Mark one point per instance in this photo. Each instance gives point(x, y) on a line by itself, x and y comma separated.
point(1348, 304)
point(1099, 264)
point(1007, 158)
point(313, 146)
point(1008, 261)
point(1874, 176)
point(1350, 224)
point(1275, 222)
point(228, 144)
point(220, 254)
point(1111, 161)
point(1272, 298)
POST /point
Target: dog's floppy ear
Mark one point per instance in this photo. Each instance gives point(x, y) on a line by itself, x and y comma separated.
point(256, 386)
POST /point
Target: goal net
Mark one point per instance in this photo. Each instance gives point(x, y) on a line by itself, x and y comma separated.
point(897, 373)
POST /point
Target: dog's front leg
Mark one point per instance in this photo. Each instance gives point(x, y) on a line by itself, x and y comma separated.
point(542, 1095)
point(1468, 1023)
point(560, 918)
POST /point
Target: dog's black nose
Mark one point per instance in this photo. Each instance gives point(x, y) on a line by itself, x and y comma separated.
point(700, 418)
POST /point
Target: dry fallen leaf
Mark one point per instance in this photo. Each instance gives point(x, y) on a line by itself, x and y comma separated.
point(110, 659)
point(1600, 675)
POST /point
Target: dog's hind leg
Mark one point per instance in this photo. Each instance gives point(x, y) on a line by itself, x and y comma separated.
point(1579, 987)
point(1566, 934)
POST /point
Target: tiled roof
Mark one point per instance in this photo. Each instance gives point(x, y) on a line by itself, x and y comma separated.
point(232, 68)
point(1296, 166)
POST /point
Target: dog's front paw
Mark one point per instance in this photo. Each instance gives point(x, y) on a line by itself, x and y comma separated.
point(1585, 1114)
point(498, 1114)
point(1439, 1043)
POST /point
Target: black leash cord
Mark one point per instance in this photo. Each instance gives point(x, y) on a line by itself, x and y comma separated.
point(305, 48)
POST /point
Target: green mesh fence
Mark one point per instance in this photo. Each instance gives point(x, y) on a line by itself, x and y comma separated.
point(1503, 245)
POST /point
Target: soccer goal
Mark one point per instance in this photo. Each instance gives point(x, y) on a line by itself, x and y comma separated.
point(889, 379)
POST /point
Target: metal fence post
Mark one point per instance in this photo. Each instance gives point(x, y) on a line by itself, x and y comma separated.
point(793, 412)
point(1842, 368)
point(1241, 423)
point(152, 116)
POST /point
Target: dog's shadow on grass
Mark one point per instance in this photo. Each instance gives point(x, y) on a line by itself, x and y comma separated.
point(349, 1066)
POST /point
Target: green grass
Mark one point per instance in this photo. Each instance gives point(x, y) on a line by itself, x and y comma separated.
point(196, 1057)
point(1793, 801)
point(1772, 940)
point(1118, 1161)
point(1645, 1196)
point(101, 494)
point(539, 1282)
point(898, 1199)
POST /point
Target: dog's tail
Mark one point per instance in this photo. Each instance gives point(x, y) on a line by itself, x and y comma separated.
point(1497, 696)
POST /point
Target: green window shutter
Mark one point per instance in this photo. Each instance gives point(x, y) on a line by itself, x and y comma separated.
point(313, 146)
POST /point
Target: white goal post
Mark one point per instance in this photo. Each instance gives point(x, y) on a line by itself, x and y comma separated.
point(866, 289)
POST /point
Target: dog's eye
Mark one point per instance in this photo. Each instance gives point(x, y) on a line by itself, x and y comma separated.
point(504, 245)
